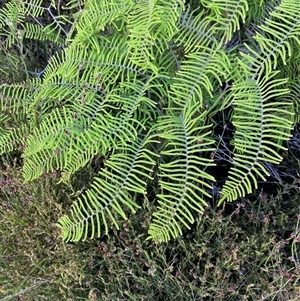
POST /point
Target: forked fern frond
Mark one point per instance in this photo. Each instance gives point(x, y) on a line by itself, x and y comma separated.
point(126, 173)
point(276, 40)
point(200, 71)
point(151, 26)
point(183, 181)
point(259, 130)
point(228, 15)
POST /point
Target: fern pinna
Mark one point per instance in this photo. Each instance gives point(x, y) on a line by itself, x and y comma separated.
point(142, 83)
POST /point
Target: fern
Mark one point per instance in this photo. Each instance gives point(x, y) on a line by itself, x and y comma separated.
point(228, 15)
point(126, 171)
point(152, 24)
point(276, 41)
point(142, 84)
point(258, 130)
point(182, 180)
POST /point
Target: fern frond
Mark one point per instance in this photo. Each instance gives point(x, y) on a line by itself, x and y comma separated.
point(48, 145)
point(198, 72)
point(17, 20)
point(99, 64)
point(97, 15)
point(293, 97)
point(91, 80)
point(195, 30)
point(11, 14)
point(36, 32)
point(16, 99)
point(14, 138)
point(260, 129)
point(183, 180)
point(126, 172)
point(110, 130)
point(228, 15)
point(279, 33)
point(17, 124)
point(151, 25)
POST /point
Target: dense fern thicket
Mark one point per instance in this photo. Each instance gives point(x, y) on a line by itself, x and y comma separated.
point(143, 88)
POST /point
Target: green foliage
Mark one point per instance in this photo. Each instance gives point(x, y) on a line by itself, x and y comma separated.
point(141, 83)
point(121, 177)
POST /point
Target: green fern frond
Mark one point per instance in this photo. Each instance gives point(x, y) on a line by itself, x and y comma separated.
point(294, 96)
point(97, 15)
point(258, 11)
point(36, 32)
point(13, 138)
point(151, 25)
point(108, 131)
point(103, 65)
point(228, 16)
point(11, 14)
point(195, 30)
point(109, 111)
point(198, 72)
point(16, 99)
point(126, 172)
point(48, 145)
point(83, 75)
point(183, 180)
point(259, 130)
point(279, 33)
point(18, 20)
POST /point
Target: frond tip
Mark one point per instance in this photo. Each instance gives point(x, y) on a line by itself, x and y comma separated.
point(259, 131)
point(183, 181)
point(126, 171)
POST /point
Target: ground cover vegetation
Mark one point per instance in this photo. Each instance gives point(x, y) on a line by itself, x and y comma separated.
point(149, 150)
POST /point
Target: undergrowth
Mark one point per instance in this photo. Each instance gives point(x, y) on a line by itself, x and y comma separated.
point(247, 250)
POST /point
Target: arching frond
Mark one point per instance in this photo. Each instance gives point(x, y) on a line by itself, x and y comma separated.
point(13, 138)
point(16, 122)
point(97, 15)
point(259, 129)
point(36, 32)
point(195, 30)
point(16, 99)
point(276, 40)
point(199, 72)
point(228, 15)
point(126, 171)
point(110, 130)
point(48, 145)
point(18, 20)
point(183, 180)
point(151, 25)
point(81, 72)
